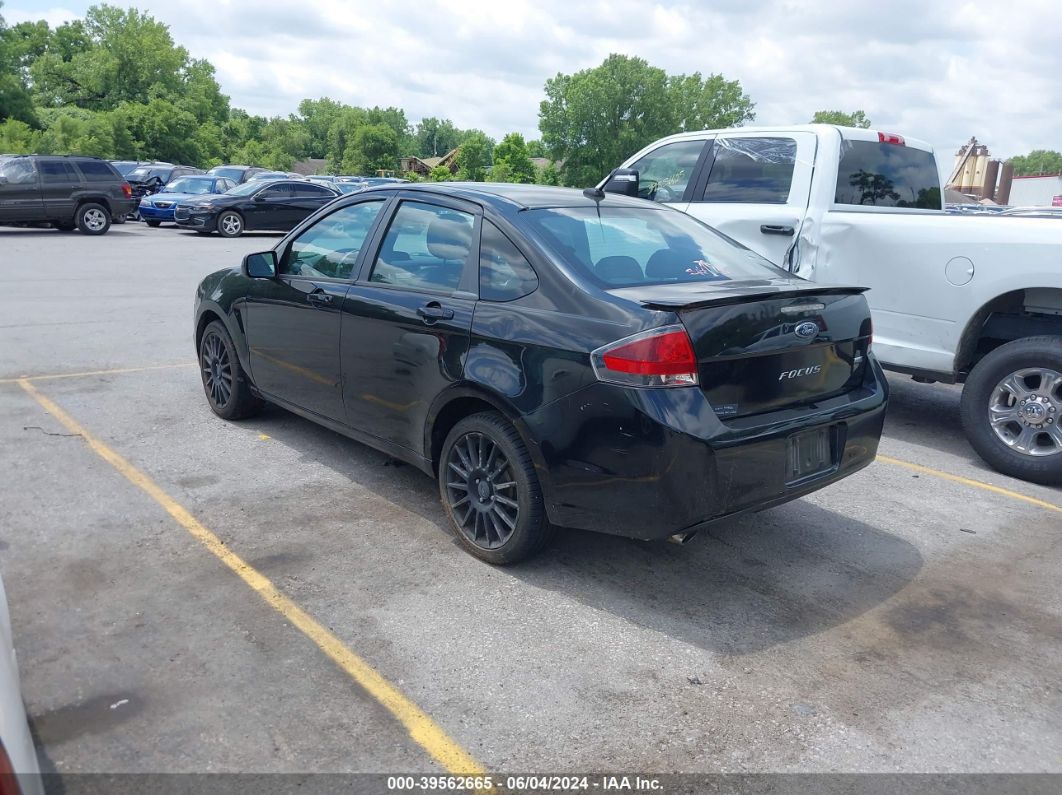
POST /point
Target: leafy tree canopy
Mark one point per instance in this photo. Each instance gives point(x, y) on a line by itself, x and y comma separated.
point(1038, 161)
point(856, 118)
point(511, 161)
point(592, 120)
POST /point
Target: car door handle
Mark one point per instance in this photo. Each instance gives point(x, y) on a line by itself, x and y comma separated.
point(434, 311)
point(777, 229)
point(319, 297)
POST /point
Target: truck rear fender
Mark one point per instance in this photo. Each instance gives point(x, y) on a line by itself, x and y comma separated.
point(1029, 312)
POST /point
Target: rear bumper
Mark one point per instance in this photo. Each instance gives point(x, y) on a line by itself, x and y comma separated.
point(647, 463)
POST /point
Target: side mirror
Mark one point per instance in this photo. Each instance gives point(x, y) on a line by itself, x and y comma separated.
point(262, 265)
point(259, 198)
point(3, 180)
point(623, 181)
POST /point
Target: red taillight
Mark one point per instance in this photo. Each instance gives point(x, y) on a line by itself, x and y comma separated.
point(891, 138)
point(127, 190)
point(8, 780)
point(662, 357)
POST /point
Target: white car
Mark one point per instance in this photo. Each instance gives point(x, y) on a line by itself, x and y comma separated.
point(16, 746)
point(955, 298)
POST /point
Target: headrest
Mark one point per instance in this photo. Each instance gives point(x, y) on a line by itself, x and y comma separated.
point(449, 239)
point(669, 264)
point(619, 270)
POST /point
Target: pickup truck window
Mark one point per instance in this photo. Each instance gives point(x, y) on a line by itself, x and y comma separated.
point(751, 170)
point(664, 173)
point(875, 174)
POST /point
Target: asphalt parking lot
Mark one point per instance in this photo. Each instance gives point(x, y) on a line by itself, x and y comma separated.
point(907, 619)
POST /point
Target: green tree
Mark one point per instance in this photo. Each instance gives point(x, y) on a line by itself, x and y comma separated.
point(440, 174)
point(373, 147)
point(1038, 161)
point(473, 157)
point(318, 116)
point(592, 120)
point(436, 137)
point(18, 138)
point(15, 99)
point(548, 175)
point(159, 129)
point(117, 55)
point(511, 154)
point(856, 118)
point(535, 148)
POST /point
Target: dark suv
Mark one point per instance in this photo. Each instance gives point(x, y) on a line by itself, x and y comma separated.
point(64, 191)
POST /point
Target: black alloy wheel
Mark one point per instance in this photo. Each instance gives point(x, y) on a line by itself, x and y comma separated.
point(481, 490)
point(490, 490)
point(224, 382)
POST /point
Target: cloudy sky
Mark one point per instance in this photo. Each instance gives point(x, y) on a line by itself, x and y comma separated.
point(940, 71)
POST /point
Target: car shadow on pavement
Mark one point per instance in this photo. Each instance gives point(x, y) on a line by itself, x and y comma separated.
point(927, 415)
point(745, 585)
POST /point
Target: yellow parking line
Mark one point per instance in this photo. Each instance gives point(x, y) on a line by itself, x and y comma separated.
point(22, 378)
point(968, 482)
point(422, 729)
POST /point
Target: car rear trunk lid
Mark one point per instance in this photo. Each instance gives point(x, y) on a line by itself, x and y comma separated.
point(764, 346)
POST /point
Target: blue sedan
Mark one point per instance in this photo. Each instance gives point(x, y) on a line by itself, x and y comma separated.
point(158, 207)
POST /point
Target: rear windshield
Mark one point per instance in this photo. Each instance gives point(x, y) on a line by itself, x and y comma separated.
point(143, 173)
point(229, 173)
point(875, 174)
point(622, 246)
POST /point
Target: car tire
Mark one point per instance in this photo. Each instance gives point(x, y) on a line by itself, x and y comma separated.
point(227, 387)
point(230, 224)
point(153, 224)
point(490, 490)
point(1012, 409)
point(92, 218)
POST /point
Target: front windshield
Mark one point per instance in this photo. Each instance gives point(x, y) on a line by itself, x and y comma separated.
point(228, 173)
point(143, 174)
point(624, 246)
point(190, 185)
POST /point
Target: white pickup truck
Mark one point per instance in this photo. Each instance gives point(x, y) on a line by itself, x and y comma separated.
point(973, 299)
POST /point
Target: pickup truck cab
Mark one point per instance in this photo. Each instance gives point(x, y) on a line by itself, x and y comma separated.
point(958, 299)
point(67, 192)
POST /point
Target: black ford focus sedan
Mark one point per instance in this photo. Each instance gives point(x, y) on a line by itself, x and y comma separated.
point(554, 358)
point(259, 205)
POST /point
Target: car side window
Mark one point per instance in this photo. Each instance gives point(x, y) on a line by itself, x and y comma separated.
point(97, 170)
point(310, 191)
point(426, 248)
point(276, 192)
point(330, 247)
point(664, 173)
point(504, 273)
point(57, 171)
point(18, 172)
point(751, 170)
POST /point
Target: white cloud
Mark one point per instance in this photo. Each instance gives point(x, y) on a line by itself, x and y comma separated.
point(937, 71)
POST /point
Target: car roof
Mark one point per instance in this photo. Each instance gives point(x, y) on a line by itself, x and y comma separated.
point(513, 196)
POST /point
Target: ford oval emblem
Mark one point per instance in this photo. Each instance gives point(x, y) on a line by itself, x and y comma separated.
point(807, 330)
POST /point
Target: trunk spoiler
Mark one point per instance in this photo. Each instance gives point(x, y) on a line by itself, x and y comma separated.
point(735, 294)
